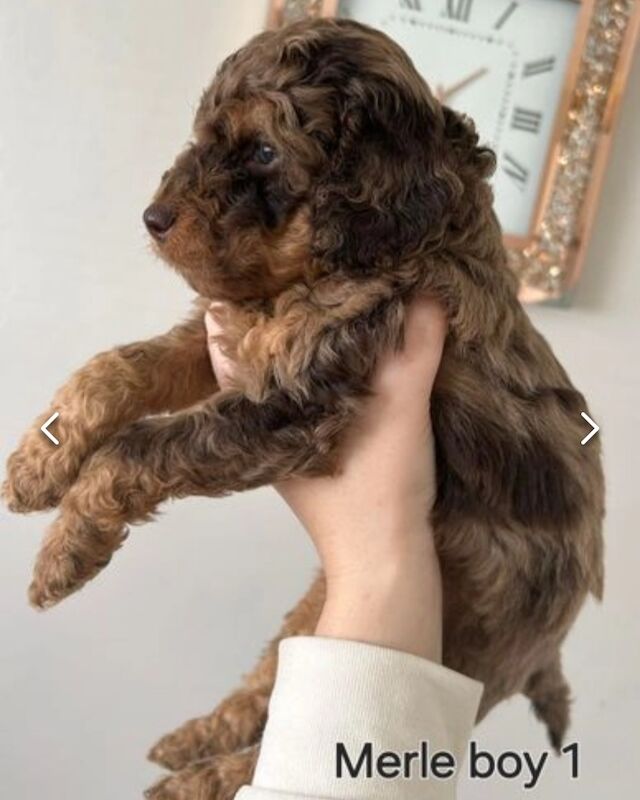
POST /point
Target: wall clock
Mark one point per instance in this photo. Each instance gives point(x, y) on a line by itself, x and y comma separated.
point(543, 80)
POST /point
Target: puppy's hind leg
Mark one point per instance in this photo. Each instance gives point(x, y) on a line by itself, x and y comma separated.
point(216, 778)
point(551, 700)
point(236, 723)
point(239, 719)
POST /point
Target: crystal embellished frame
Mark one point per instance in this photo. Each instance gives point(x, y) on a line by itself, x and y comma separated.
point(549, 259)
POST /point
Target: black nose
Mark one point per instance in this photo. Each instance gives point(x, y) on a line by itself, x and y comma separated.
point(158, 219)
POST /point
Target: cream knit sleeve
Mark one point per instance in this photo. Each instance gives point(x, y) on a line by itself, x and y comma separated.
point(344, 718)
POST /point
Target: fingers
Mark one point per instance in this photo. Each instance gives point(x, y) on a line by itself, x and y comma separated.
point(410, 372)
point(414, 367)
point(222, 365)
point(425, 333)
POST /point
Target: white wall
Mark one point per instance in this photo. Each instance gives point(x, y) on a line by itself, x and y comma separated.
point(96, 99)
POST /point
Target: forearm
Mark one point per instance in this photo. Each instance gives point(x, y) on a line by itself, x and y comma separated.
point(391, 597)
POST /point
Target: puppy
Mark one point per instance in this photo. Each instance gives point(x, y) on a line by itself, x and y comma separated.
point(323, 189)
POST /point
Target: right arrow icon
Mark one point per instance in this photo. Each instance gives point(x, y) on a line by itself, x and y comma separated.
point(595, 427)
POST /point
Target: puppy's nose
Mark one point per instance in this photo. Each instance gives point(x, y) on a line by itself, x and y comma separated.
point(158, 218)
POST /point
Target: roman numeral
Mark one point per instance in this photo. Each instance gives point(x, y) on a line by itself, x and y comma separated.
point(505, 15)
point(459, 10)
point(413, 5)
point(532, 68)
point(525, 120)
point(515, 170)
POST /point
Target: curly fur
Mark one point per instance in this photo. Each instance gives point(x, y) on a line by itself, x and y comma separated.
point(376, 193)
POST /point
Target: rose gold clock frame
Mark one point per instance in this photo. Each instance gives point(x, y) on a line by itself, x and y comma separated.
point(549, 259)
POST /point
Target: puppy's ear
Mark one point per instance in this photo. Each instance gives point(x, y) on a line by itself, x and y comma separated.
point(462, 144)
point(381, 191)
point(394, 179)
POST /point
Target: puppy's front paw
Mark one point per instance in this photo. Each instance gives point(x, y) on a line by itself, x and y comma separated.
point(74, 551)
point(39, 472)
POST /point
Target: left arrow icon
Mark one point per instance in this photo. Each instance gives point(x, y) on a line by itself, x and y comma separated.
point(45, 427)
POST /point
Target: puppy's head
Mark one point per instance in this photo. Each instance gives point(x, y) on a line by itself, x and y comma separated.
point(317, 148)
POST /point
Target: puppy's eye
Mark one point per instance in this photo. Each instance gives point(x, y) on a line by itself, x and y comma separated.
point(263, 154)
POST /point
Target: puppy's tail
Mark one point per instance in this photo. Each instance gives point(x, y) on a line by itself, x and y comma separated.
point(551, 700)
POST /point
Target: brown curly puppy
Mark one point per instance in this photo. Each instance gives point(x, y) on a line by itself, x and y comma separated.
point(323, 189)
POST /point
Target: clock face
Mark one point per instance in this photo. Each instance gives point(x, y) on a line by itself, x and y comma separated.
point(501, 62)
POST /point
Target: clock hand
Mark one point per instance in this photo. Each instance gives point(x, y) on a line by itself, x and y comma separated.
point(443, 94)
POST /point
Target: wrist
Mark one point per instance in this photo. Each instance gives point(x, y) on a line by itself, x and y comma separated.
point(380, 555)
point(392, 599)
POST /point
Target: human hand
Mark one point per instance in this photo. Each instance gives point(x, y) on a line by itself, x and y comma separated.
point(369, 523)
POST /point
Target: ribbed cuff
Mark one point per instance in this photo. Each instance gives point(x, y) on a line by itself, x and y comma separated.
point(331, 691)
